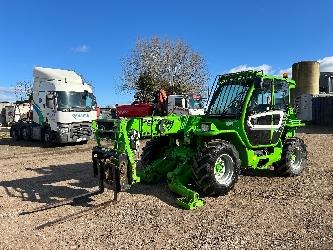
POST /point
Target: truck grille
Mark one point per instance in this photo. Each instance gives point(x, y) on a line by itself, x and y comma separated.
point(81, 130)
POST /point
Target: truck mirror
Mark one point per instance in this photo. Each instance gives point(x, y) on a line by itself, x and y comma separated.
point(50, 101)
point(85, 94)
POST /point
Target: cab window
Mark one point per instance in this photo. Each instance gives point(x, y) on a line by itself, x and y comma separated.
point(261, 99)
point(281, 95)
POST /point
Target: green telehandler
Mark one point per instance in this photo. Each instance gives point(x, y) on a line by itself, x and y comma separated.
point(248, 124)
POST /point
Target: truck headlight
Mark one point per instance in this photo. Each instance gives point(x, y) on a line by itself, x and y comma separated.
point(205, 127)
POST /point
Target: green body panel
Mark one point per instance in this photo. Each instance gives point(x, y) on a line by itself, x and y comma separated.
point(187, 136)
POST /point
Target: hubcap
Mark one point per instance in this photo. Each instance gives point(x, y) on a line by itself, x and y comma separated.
point(223, 169)
point(296, 158)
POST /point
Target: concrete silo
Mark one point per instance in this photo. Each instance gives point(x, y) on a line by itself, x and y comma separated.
point(306, 74)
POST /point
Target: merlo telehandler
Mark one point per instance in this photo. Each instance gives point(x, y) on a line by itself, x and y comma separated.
point(248, 124)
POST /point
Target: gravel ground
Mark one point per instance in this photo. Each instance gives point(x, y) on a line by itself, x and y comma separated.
point(263, 211)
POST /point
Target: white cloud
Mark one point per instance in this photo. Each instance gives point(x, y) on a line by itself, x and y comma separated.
point(7, 94)
point(81, 49)
point(266, 68)
point(326, 64)
point(10, 90)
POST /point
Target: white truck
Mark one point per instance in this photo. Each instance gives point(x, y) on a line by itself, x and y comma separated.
point(63, 107)
point(185, 105)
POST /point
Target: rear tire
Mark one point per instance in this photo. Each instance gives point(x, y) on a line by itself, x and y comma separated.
point(216, 168)
point(47, 138)
point(15, 134)
point(294, 157)
point(153, 150)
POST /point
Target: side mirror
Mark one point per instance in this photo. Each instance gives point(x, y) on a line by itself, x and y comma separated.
point(50, 101)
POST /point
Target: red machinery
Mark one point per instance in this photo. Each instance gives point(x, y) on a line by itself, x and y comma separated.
point(134, 110)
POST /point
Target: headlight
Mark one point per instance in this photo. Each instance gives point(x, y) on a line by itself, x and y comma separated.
point(63, 130)
point(205, 127)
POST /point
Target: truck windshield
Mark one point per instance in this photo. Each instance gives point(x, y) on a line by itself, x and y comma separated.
point(228, 99)
point(75, 100)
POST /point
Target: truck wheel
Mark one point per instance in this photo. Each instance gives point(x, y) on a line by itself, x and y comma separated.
point(25, 134)
point(47, 139)
point(15, 134)
point(293, 159)
point(216, 168)
point(153, 150)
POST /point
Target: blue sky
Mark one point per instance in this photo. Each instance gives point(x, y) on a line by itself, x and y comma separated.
point(92, 36)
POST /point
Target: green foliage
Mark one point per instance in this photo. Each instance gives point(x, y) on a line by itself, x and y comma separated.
point(144, 88)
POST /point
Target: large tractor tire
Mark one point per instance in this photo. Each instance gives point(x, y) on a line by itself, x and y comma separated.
point(153, 150)
point(294, 157)
point(216, 168)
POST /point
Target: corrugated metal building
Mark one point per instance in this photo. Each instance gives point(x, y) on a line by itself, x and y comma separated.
point(322, 109)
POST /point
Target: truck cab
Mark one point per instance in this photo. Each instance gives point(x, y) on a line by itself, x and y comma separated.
point(63, 107)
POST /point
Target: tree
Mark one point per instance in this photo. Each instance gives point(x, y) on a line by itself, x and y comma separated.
point(156, 64)
point(144, 88)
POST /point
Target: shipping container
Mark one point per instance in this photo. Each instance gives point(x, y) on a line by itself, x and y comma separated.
point(322, 110)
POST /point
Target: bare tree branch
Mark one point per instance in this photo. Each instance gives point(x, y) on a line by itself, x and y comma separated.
point(172, 65)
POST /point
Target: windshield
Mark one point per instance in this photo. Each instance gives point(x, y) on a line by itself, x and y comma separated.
point(195, 102)
point(228, 99)
point(75, 100)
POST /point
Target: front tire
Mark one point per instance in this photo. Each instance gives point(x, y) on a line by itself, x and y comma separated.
point(294, 157)
point(216, 168)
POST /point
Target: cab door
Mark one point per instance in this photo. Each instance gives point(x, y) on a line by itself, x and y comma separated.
point(263, 122)
point(280, 103)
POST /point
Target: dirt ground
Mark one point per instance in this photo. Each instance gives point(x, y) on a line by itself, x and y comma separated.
point(263, 211)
